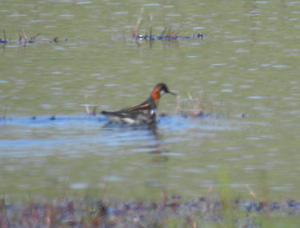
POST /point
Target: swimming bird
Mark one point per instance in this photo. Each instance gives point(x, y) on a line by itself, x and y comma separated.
point(144, 113)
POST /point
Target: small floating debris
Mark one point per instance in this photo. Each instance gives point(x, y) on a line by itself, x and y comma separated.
point(3, 41)
point(244, 115)
point(56, 40)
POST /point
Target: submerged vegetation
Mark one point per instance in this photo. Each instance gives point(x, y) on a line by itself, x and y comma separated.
point(169, 34)
point(24, 39)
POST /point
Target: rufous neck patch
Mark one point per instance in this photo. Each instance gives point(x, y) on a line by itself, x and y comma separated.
point(156, 94)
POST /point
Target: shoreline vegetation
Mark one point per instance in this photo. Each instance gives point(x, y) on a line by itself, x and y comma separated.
point(218, 207)
point(170, 211)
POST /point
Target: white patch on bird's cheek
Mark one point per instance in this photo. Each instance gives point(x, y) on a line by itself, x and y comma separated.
point(162, 92)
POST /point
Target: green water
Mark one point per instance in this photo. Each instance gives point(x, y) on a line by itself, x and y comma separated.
point(248, 63)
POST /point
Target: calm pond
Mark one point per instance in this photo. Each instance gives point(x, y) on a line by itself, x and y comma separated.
point(245, 73)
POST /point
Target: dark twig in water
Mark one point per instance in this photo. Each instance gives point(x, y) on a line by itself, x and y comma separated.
point(150, 29)
point(55, 40)
point(4, 40)
point(150, 25)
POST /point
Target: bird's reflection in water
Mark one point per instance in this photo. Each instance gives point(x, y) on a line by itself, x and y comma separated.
point(127, 134)
point(158, 152)
point(147, 139)
point(158, 164)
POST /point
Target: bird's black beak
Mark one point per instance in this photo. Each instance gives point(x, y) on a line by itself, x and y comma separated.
point(172, 93)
